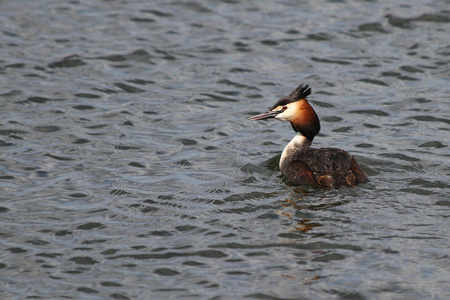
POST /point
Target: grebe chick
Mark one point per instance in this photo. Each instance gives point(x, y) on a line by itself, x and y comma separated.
point(301, 164)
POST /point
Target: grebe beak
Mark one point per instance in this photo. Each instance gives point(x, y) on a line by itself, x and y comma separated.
point(267, 115)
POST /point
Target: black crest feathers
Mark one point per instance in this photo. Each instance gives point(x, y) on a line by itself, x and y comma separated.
point(301, 92)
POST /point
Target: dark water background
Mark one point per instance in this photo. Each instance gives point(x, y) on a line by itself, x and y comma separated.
point(129, 170)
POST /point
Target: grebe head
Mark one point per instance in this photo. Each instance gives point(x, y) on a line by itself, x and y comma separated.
point(295, 109)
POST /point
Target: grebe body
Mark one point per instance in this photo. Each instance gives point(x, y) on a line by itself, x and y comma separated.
point(302, 164)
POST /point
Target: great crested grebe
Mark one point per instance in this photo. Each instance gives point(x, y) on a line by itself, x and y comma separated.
point(301, 164)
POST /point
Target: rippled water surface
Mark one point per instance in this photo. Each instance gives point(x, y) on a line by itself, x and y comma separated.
point(129, 170)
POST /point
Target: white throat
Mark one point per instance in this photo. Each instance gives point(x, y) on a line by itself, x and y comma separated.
point(298, 142)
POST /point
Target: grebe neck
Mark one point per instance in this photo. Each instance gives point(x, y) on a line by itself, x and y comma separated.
point(297, 143)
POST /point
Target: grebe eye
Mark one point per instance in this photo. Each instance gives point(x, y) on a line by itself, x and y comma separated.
point(285, 107)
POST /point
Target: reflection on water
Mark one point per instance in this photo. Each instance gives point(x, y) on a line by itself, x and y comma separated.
point(129, 170)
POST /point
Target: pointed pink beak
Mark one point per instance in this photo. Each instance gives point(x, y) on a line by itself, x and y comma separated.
point(267, 115)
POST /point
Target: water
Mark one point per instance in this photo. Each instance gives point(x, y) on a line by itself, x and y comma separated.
point(129, 170)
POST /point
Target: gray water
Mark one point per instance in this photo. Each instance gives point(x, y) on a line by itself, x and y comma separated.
point(129, 170)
